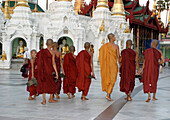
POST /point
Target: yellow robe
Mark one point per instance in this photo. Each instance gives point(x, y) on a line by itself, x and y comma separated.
point(108, 66)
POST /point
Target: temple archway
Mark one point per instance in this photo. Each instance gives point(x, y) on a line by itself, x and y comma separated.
point(69, 41)
point(16, 42)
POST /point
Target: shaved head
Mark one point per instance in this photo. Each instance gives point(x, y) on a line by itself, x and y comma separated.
point(87, 45)
point(49, 42)
point(110, 36)
point(72, 49)
point(129, 43)
point(154, 43)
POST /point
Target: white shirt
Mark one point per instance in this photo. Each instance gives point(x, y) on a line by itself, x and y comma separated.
point(27, 55)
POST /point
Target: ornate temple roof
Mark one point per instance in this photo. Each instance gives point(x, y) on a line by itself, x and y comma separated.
point(136, 14)
point(12, 5)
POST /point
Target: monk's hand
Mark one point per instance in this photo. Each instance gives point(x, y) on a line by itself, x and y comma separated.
point(56, 75)
point(93, 74)
point(63, 72)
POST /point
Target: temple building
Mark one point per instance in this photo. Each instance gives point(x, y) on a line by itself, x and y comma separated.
point(25, 24)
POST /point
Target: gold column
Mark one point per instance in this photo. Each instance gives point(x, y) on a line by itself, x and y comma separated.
point(138, 31)
point(154, 8)
point(118, 8)
point(23, 3)
point(159, 13)
point(6, 12)
point(102, 3)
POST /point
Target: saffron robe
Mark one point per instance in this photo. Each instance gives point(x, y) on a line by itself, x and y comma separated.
point(83, 82)
point(32, 88)
point(58, 66)
point(45, 81)
point(108, 66)
point(151, 70)
point(128, 70)
point(70, 69)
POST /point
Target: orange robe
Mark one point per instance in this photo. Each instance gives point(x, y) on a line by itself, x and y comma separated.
point(45, 82)
point(84, 71)
point(70, 69)
point(108, 66)
point(151, 70)
point(128, 70)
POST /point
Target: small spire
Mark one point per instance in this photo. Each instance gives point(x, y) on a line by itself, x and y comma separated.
point(118, 8)
point(6, 13)
point(102, 29)
point(93, 10)
point(102, 3)
point(154, 8)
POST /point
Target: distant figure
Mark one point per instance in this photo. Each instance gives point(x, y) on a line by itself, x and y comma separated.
point(108, 56)
point(33, 73)
point(129, 61)
point(84, 62)
point(59, 66)
point(151, 69)
point(3, 56)
point(25, 62)
point(46, 66)
point(70, 69)
point(167, 62)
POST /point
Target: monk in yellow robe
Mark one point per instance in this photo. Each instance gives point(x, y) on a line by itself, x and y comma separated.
point(108, 57)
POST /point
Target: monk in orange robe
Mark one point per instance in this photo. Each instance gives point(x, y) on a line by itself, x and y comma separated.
point(84, 62)
point(129, 60)
point(151, 69)
point(108, 56)
point(32, 74)
point(69, 82)
point(46, 66)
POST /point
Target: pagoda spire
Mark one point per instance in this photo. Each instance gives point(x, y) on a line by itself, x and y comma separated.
point(118, 8)
point(102, 3)
point(23, 3)
point(154, 8)
point(6, 13)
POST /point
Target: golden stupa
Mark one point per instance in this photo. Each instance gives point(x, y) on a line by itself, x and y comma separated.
point(118, 8)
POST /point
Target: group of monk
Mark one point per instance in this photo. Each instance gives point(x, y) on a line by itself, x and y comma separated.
point(78, 70)
point(128, 61)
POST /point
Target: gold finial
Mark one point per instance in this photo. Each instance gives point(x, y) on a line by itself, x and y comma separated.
point(6, 13)
point(154, 8)
point(118, 8)
point(23, 3)
point(102, 26)
point(102, 3)
point(35, 9)
point(121, 25)
point(127, 30)
point(78, 5)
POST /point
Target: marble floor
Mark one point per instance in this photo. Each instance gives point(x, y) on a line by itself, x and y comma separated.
point(15, 106)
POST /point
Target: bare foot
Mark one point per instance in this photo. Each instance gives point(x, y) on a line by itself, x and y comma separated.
point(57, 96)
point(73, 96)
point(68, 95)
point(148, 100)
point(43, 103)
point(52, 101)
point(30, 98)
point(84, 98)
point(108, 98)
point(154, 99)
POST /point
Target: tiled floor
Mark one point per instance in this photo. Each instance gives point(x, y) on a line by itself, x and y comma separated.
point(15, 106)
